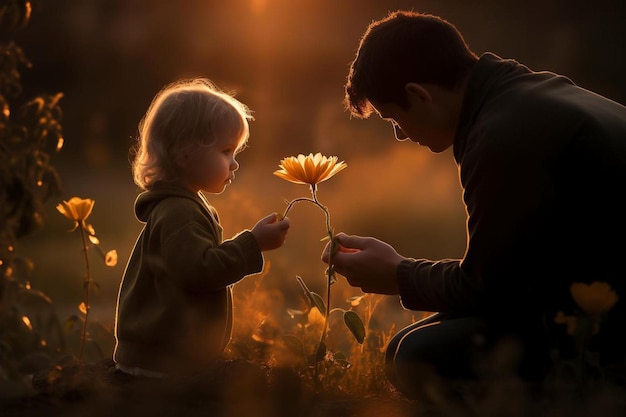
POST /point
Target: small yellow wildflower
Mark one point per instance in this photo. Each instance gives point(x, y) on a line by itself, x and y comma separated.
point(593, 299)
point(77, 209)
point(110, 258)
point(316, 318)
point(310, 169)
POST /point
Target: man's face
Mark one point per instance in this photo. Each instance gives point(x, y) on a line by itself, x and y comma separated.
point(422, 123)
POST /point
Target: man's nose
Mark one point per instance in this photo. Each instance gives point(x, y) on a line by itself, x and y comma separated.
point(400, 135)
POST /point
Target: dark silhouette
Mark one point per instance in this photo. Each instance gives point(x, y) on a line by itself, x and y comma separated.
point(542, 163)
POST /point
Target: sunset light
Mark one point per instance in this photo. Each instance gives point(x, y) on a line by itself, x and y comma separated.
point(473, 270)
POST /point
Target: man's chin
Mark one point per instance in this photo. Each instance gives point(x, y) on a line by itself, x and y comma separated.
point(438, 149)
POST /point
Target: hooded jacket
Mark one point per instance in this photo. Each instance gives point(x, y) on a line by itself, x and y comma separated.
point(174, 307)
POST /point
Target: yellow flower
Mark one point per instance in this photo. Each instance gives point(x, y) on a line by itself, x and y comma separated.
point(316, 318)
point(77, 209)
point(593, 299)
point(570, 321)
point(110, 258)
point(310, 169)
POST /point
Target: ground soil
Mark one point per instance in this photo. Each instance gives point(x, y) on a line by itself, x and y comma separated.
point(241, 390)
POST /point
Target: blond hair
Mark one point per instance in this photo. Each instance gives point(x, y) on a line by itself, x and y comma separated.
point(184, 113)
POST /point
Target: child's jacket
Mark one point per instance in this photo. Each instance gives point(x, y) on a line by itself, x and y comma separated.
point(174, 309)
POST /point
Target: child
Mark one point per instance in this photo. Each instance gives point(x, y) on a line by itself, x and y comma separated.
point(174, 307)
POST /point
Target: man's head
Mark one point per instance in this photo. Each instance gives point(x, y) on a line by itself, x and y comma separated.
point(410, 68)
point(405, 47)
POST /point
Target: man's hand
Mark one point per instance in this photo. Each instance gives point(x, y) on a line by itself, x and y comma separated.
point(366, 262)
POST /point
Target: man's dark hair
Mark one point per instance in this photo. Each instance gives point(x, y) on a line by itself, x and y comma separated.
point(401, 48)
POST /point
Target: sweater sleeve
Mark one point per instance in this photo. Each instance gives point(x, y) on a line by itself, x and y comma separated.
point(192, 253)
point(435, 286)
point(200, 262)
point(504, 187)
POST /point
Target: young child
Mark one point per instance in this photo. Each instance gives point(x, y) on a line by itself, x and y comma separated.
point(174, 307)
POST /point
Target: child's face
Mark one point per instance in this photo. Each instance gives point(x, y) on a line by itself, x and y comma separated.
point(210, 168)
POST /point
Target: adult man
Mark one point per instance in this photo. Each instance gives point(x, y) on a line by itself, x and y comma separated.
point(542, 164)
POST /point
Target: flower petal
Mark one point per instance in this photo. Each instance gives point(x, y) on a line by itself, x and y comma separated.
point(76, 209)
point(83, 207)
point(286, 176)
point(64, 210)
point(310, 169)
point(110, 258)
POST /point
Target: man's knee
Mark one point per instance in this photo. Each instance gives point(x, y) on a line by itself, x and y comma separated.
point(449, 347)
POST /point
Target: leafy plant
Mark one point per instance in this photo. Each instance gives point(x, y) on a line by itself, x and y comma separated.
point(311, 170)
point(30, 132)
point(32, 338)
point(78, 210)
point(593, 302)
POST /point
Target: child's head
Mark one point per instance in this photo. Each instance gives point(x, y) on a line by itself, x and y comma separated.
point(184, 114)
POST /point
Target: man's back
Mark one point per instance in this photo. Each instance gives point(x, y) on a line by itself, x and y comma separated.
point(542, 165)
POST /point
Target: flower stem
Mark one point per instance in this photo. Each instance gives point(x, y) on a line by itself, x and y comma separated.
point(329, 270)
point(83, 336)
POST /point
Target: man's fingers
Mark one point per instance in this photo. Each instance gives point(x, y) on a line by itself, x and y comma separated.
point(350, 243)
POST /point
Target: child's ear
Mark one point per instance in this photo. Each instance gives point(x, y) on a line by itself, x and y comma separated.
point(418, 91)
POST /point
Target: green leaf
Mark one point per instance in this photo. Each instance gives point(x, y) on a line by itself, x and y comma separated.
point(294, 312)
point(355, 325)
point(341, 359)
point(305, 289)
point(318, 356)
point(356, 300)
point(313, 298)
point(340, 356)
point(318, 302)
point(33, 300)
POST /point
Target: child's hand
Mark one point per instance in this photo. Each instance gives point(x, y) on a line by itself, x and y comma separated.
point(270, 232)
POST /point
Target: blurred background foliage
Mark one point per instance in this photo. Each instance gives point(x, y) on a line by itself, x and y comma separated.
point(286, 59)
point(30, 132)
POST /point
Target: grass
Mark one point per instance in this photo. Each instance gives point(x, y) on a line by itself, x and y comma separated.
point(266, 374)
point(241, 388)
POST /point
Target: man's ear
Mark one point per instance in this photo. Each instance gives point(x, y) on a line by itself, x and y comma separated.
point(417, 91)
point(182, 158)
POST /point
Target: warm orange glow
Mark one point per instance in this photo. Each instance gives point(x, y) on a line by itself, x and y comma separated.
point(27, 322)
point(258, 6)
point(82, 307)
point(28, 9)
